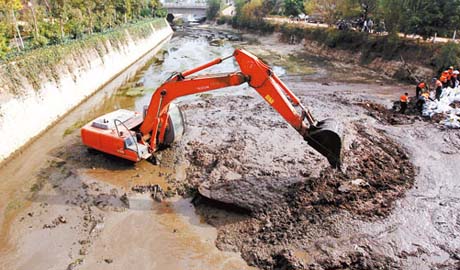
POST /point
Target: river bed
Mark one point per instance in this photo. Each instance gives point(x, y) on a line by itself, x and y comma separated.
point(63, 208)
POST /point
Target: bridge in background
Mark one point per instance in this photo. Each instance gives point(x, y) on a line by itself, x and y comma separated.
point(197, 9)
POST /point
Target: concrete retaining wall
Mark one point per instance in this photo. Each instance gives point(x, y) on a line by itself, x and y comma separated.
point(26, 115)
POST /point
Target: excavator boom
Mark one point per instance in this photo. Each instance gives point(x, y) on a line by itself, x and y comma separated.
point(154, 131)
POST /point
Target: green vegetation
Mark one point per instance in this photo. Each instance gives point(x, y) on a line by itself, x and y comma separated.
point(293, 7)
point(449, 55)
point(420, 17)
point(389, 47)
point(213, 9)
point(13, 205)
point(425, 18)
point(47, 62)
point(250, 15)
point(48, 22)
point(74, 127)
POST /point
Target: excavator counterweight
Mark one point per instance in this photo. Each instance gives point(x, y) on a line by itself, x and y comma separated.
point(135, 136)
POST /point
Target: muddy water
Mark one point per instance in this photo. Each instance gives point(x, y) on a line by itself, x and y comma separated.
point(56, 177)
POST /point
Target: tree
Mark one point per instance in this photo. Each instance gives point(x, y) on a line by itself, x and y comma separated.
point(253, 10)
point(293, 7)
point(328, 9)
point(10, 7)
point(154, 5)
point(427, 17)
point(31, 6)
point(367, 7)
point(213, 9)
point(3, 40)
point(392, 15)
point(57, 9)
point(273, 6)
point(448, 56)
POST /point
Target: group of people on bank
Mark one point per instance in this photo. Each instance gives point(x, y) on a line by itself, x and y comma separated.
point(433, 91)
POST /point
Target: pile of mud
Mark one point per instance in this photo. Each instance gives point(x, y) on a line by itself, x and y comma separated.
point(394, 117)
point(390, 117)
point(286, 214)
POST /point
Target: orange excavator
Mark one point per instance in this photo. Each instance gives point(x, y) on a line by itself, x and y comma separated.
point(136, 136)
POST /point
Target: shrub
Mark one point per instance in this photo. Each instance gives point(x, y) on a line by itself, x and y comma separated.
point(447, 56)
point(4, 48)
point(39, 41)
point(224, 20)
point(213, 9)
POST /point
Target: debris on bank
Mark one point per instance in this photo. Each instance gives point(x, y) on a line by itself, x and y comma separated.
point(386, 116)
point(155, 191)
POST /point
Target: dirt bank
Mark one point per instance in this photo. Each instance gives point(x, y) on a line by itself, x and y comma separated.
point(410, 70)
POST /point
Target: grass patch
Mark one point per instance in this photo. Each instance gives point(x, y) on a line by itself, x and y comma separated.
point(135, 92)
point(14, 205)
point(130, 91)
point(293, 65)
point(75, 126)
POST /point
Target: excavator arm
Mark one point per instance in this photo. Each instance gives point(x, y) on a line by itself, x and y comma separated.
point(324, 136)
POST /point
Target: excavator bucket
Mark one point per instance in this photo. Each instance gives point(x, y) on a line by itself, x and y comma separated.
point(326, 138)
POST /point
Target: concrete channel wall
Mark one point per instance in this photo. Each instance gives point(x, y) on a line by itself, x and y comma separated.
point(24, 116)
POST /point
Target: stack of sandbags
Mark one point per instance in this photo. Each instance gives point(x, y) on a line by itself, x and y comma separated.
point(443, 106)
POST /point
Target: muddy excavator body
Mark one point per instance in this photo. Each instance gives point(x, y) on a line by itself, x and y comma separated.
point(162, 122)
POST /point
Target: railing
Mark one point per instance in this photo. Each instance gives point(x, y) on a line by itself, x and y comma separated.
point(185, 5)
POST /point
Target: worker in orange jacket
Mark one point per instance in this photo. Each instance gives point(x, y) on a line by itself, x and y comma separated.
point(446, 74)
point(420, 88)
point(444, 81)
point(404, 100)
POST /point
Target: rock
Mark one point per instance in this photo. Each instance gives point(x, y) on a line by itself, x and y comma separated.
point(344, 188)
point(83, 242)
point(62, 219)
point(360, 182)
point(108, 261)
point(74, 264)
point(125, 200)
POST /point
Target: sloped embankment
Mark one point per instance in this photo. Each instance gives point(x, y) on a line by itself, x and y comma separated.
point(40, 86)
